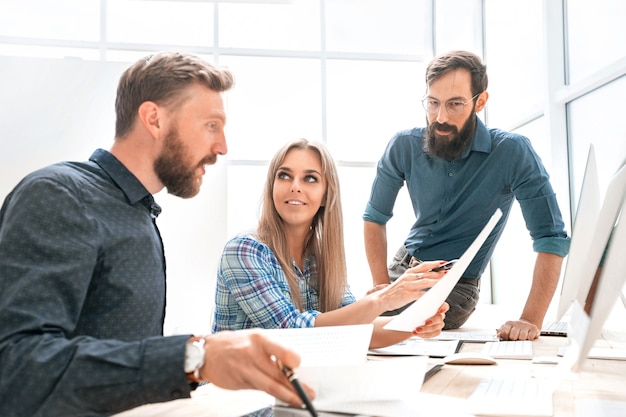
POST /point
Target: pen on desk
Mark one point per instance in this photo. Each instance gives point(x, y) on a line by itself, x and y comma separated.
point(291, 376)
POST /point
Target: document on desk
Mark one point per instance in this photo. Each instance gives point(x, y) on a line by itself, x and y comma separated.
point(426, 306)
point(513, 396)
point(415, 346)
point(379, 387)
point(467, 336)
point(419, 405)
point(326, 346)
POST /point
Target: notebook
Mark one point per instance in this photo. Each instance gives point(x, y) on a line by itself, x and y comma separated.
point(428, 305)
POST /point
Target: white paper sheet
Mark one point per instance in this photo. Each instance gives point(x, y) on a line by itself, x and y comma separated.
point(419, 347)
point(426, 306)
point(328, 345)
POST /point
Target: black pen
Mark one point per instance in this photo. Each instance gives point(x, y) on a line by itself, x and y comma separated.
point(291, 376)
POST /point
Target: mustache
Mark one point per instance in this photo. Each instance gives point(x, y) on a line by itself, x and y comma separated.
point(209, 160)
point(444, 127)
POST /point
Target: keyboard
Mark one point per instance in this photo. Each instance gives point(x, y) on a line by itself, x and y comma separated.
point(554, 328)
point(513, 396)
point(510, 349)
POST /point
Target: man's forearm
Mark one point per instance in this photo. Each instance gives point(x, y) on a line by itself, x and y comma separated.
point(376, 251)
point(545, 280)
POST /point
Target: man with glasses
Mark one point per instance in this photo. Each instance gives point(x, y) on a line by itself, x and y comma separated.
point(458, 172)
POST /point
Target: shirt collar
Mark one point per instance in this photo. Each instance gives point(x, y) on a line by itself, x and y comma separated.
point(129, 184)
point(481, 141)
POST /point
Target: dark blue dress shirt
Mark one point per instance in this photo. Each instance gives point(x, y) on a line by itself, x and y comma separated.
point(82, 295)
point(453, 200)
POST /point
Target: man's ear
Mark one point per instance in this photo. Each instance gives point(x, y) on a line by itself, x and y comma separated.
point(481, 101)
point(149, 116)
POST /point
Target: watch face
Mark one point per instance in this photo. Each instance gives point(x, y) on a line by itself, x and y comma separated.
point(194, 356)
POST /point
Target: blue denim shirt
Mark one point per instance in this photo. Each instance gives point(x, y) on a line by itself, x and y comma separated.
point(453, 200)
point(82, 295)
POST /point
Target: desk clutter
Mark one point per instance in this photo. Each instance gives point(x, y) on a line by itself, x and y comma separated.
point(351, 381)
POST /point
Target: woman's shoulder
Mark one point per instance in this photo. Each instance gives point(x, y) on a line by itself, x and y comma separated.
point(248, 238)
point(246, 242)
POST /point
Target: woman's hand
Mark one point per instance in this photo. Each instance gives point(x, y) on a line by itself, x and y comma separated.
point(409, 287)
point(434, 325)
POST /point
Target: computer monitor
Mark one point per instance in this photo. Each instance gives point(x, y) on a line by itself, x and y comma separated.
point(607, 219)
point(610, 284)
point(608, 276)
point(582, 232)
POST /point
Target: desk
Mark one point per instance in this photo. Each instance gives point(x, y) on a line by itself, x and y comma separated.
point(600, 380)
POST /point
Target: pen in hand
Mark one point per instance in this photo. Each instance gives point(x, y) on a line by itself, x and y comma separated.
point(291, 376)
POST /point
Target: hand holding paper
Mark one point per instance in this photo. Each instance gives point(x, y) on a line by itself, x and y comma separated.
point(428, 305)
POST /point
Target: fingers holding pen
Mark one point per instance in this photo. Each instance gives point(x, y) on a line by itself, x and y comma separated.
point(425, 270)
point(254, 356)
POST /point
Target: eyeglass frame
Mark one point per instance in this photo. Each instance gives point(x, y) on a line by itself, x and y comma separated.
point(446, 105)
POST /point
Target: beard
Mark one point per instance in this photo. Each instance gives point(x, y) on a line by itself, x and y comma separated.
point(174, 169)
point(450, 146)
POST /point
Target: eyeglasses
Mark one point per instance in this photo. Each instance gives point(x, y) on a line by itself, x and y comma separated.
point(454, 107)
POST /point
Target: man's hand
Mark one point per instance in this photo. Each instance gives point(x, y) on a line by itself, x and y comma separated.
point(247, 360)
point(518, 330)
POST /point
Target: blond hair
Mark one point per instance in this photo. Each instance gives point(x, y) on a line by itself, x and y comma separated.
point(325, 239)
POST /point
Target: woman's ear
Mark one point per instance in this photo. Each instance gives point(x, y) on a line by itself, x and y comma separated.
point(481, 101)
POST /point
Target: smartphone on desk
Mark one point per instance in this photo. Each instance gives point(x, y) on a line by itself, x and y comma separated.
point(445, 267)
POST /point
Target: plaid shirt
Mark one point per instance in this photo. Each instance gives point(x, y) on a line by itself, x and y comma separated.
point(252, 290)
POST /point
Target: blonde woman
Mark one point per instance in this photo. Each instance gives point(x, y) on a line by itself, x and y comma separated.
point(291, 272)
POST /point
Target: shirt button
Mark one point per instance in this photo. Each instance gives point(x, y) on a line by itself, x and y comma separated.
point(450, 174)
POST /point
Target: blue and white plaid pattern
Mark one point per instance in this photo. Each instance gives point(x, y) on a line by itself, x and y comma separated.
point(252, 290)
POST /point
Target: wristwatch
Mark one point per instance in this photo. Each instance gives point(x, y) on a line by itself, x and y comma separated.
point(194, 358)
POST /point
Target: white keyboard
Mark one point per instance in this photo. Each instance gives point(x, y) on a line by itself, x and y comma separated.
point(509, 349)
point(513, 396)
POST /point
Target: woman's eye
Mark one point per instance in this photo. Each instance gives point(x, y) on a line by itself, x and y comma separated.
point(310, 178)
point(282, 176)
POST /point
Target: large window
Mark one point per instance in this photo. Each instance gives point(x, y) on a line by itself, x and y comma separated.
point(349, 73)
